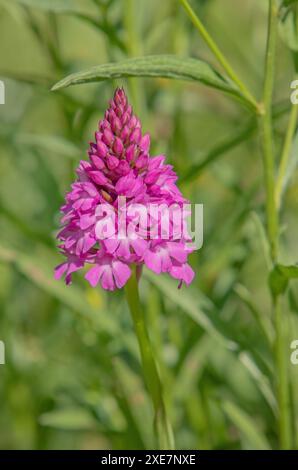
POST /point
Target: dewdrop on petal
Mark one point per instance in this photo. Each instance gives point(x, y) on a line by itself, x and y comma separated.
point(120, 166)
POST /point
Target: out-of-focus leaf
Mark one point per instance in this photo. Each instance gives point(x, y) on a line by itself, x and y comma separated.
point(288, 27)
point(286, 3)
point(40, 274)
point(262, 236)
point(165, 66)
point(132, 389)
point(199, 309)
point(58, 6)
point(69, 419)
point(293, 301)
point(218, 151)
point(221, 148)
point(280, 277)
point(193, 367)
point(55, 144)
point(262, 321)
point(260, 379)
point(246, 426)
point(194, 306)
point(86, 10)
point(290, 272)
point(277, 281)
point(27, 78)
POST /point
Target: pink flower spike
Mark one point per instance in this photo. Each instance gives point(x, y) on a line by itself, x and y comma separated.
point(120, 166)
point(145, 143)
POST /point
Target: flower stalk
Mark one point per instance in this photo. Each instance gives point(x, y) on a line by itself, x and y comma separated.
point(283, 395)
point(219, 55)
point(267, 133)
point(151, 375)
point(282, 379)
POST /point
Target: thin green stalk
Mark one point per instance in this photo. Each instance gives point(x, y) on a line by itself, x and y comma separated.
point(151, 376)
point(283, 395)
point(267, 133)
point(285, 155)
point(219, 55)
point(282, 384)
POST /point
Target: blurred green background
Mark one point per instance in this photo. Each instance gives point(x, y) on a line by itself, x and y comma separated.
point(72, 377)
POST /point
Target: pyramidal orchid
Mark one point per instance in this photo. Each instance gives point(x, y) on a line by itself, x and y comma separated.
point(125, 211)
point(120, 168)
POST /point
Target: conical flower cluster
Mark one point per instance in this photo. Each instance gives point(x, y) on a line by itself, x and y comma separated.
point(120, 169)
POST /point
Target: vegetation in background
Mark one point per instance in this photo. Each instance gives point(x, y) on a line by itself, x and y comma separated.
point(71, 378)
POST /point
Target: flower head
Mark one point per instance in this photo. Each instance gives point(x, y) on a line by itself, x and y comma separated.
point(120, 168)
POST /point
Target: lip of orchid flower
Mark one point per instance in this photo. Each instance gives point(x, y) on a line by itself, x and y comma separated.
point(110, 271)
point(119, 166)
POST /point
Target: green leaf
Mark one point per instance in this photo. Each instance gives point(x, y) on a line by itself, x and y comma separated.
point(280, 277)
point(200, 310)
point(261, 233)
point(27, 78)
point(165, 66)
point(277, 282)
point(221, 148)
point(218, 151)
point(132, 389)
point(53, 144)
point(58, 6)
point(290, 272)
point(256, 440)
point(86, 10)
point(286, 3)
point(262, 321)
point(193, 367)
point(260, 378)
point(288, 27)
point(39, 271)
point(69, 419)
point(197, 307)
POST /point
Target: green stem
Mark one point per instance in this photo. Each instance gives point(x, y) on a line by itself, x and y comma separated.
point(283, 395)
point(285, 155)
point(282, 383)
point(219, 55)
point(151, 376)
point(267, 133)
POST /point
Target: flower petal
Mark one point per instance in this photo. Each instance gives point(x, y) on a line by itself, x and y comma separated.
point(93, 275)
point(121, 273)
